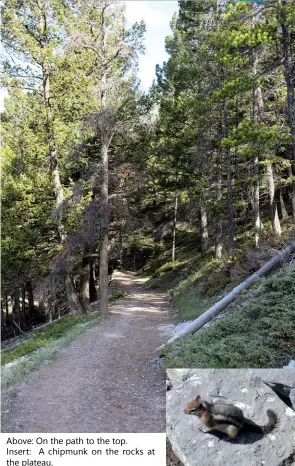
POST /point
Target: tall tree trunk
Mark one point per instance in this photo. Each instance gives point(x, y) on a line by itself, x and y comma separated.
point(6, 304)
point(2, 311)
point(23, 313)
point(289, 71)
point(92, 288)
point(72, 297)
point(218, 221)
point(292, 189)
point(273, 205)
point(104, 187)
point(85, 284)
point(257, 113)
point(104, 245)
point(204, 228)
point(16, 309)
point(284, 212)
point(57, 186)
point(256, 207)
point(121, 246)
point(174, 227)
point(30, 294)
point(230, 201)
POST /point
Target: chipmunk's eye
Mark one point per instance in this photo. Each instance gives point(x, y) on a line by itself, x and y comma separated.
point(193, 410)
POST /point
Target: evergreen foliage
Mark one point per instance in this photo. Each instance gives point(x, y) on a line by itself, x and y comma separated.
point(92, 167)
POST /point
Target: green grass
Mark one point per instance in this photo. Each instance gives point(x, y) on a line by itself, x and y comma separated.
point(118, 295)
point(38, 346)
point(42, 345)
point(196, 293)
point(257, 331)
point(193, 284)
point(46, 336)
point(190, 303)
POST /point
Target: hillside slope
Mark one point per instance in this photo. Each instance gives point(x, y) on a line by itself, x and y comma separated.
point(256, 331)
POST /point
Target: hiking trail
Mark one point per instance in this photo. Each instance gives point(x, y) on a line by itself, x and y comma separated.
point(106, 380)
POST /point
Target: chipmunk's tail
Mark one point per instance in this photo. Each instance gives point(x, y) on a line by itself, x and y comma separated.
point(272, 422)
point(268, 427)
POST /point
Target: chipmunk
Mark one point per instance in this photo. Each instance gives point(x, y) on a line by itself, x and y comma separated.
point(227, 418)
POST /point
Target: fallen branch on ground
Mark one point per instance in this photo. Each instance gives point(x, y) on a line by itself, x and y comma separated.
point(192, 327)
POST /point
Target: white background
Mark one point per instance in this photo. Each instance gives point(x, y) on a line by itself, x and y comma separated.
point(143, 442)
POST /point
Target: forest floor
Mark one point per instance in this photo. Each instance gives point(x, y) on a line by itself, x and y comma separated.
point(107, 380)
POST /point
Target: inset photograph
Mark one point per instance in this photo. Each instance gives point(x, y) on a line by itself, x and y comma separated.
point(228, 417)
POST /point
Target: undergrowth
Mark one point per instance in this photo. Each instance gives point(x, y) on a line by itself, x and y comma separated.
point(197, 280)
point(258, 331)
point(192, 285)
point(42, 345)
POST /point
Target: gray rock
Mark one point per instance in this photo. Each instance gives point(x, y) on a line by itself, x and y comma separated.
point(281, 381)
point(243, 388)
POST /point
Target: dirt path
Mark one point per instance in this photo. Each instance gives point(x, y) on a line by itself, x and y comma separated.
point(107, 380)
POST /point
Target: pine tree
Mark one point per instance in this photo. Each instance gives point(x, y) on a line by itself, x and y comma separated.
point(100, 28)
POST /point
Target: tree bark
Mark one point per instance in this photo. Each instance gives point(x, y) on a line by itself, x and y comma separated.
point(121, 246)
point(103, 276)
point(257, 113)
point(58, 188)
point(30, 294)
point(229, 298)
point(85, 284)
point(2, 311)
point(6, 305)
point(174, 227)
point(104, 187)
point(16, 307)
point(230, 201)
point(292, 189)
point(204, 228)
point(256, 207)
point(23, 313)
point(284, 212)
point(92, 287)
point(290, 83)
point(275, 221)
point(218, 221)
point(72, 297)
point(104, 245)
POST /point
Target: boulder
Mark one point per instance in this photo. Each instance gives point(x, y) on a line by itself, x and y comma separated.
point(249, 389)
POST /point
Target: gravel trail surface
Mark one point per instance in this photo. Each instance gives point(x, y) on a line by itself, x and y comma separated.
point(106, 380)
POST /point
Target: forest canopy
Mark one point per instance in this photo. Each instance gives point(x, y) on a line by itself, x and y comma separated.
point(92, 167)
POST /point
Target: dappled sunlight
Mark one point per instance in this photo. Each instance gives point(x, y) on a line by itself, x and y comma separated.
point(117, 336)
point(136, 309)
point(139, 300)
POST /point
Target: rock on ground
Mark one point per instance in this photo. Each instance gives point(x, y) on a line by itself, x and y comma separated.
point(246, 389)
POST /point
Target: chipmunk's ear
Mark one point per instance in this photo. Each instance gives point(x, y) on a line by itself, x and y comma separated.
point(198, 398)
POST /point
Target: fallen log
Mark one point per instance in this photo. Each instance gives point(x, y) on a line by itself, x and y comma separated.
point(192, 327)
